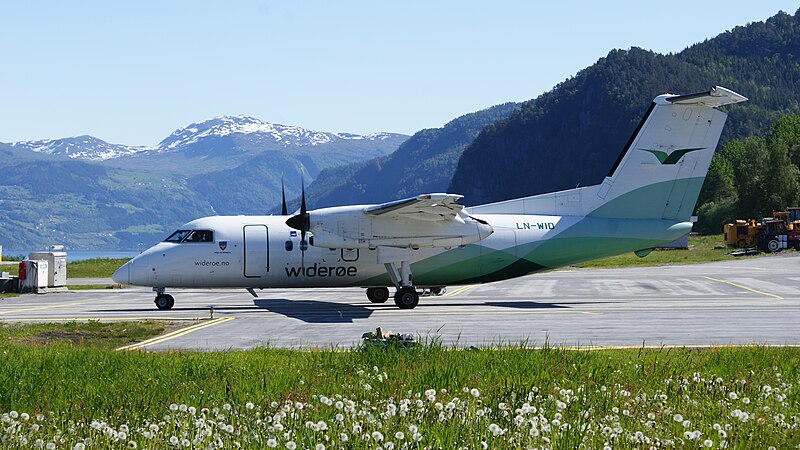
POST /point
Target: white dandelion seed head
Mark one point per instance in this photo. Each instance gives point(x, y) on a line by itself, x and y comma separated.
point(475, 392)
point(688, 435)
point(733, 396)
point(173, 440)
point(746, 401)
point(377, 436)
point(132, 444)
point(320, 447)
point(687, 423)
point(173, 407)
point(291, 445)
point(430, 392)
point(677, 418)
point(80, 446)
point(343, 437)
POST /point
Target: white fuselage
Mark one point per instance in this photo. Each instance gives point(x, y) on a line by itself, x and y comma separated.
point(263, 252)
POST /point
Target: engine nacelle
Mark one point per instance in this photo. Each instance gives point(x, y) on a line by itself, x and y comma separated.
point(351, 227)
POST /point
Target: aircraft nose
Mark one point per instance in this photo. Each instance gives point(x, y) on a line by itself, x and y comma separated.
point(135, 272)
point(123, 274)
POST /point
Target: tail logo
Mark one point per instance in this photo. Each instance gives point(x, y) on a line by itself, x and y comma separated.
point(671, 158)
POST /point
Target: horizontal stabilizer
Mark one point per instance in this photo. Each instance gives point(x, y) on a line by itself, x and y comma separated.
point(717, 96)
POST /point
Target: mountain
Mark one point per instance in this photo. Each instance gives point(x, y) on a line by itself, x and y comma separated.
point(87, 194)
point(423, 163)
point(571, 135)
point(80, 147)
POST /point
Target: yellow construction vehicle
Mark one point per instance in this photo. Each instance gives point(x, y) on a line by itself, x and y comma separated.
point(770, 234)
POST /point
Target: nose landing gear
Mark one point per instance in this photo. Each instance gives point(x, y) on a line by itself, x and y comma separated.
point(163, 301)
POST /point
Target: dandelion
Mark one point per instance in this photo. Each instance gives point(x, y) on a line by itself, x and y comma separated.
point(377, 436)
point(474, 392)
point(746, 401)
point(291, 445)
point(677, 418)
point(687, 424)
point(688, 435)
point(733, 396)
point(272, 443)
point(173, 440)
point(320, 447)
point(132, 444)
point(173, 407)
point(249, 405)
point(80, 446)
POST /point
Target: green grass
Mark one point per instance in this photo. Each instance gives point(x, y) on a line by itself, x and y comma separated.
point(86, 287)
point(497, 396)
point(89, 335)
point(89, 268)
point(702, 249)
point(94, 268)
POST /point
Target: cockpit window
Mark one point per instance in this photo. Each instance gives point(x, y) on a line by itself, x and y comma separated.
point(191, 236)
point(200, 236)
point(177, 236)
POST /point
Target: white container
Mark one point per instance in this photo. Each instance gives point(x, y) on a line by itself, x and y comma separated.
point(57, 267)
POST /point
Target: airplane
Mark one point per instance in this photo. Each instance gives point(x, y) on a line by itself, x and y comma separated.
point(431, 241)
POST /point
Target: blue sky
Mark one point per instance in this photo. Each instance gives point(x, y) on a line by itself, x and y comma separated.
point(133, 72)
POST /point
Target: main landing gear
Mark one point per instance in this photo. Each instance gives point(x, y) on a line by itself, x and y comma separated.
point(163, 301)
point(406, 295)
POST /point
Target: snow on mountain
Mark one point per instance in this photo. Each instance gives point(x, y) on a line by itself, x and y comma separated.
point(258, 131)
point(81, 147)
point(254, 131)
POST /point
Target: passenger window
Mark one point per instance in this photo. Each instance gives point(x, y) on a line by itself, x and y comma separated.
point(289, 246)
point(200, 236)
point(177, 236)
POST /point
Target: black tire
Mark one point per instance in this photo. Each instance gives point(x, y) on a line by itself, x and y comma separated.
point(406, 298)
point(773, 245)
point(165, 301)
point(437, 290)
point(378, 295)
point(742, 243)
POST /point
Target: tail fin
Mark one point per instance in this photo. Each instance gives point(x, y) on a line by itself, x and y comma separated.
point(660, 171)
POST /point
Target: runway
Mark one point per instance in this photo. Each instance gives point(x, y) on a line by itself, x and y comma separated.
point(750, 301)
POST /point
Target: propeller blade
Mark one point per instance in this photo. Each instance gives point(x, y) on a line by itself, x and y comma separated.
point(284, 211)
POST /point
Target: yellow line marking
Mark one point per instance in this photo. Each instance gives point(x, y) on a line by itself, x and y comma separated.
point(176, 334)
point(460, 290)
point(745, 288)
point(36, 308)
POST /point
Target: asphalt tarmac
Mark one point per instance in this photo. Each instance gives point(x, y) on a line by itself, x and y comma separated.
point(748, 301)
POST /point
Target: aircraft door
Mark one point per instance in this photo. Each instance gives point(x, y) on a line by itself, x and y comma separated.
point(256, 251)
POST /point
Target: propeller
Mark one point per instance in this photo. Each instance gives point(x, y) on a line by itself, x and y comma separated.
point(302, 222)
point(284, 211)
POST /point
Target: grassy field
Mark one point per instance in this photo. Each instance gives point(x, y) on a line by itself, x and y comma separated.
point(701, 249)
point(425, 397)
point(90, 268)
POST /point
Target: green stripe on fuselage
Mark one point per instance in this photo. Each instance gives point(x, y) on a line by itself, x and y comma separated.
point(601, 234)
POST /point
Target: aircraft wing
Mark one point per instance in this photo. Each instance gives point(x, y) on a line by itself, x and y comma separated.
point(427, 207)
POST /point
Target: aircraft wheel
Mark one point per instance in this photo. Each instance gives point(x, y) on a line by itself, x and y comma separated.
point(165, 301)
point(378, 295)
point(406, 297)
point(438, 290)
point(773, 245)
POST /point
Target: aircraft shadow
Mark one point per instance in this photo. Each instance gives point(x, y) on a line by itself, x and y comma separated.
point(526, 305)
point(314, 311)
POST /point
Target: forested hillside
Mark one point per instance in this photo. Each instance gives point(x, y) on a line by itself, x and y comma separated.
point(571, 135)
point(752, 177)
point(424, 163)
